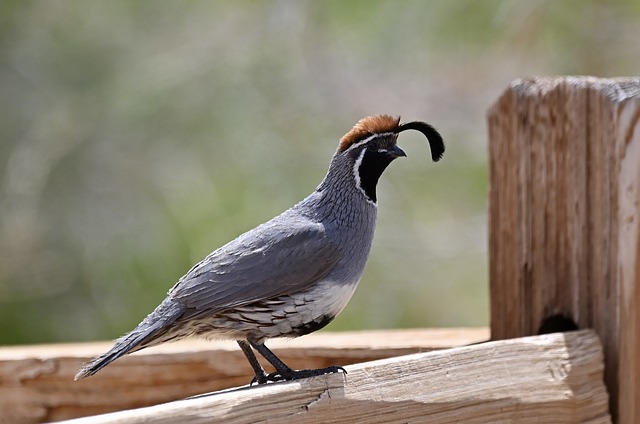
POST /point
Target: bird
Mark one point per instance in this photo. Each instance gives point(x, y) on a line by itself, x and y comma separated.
point(291, 275)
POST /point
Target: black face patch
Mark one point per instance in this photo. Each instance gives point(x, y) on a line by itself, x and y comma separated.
point(373, 164)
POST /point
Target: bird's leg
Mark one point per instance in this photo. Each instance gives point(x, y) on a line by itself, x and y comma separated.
point(260, 375)
point(283, 372)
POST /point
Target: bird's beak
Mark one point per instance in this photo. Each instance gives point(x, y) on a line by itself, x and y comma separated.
point(396, 152)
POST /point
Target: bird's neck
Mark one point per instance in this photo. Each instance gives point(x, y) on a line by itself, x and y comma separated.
point(339, 198)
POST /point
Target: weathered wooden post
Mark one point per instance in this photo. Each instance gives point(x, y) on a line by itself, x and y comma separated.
point(564, 230)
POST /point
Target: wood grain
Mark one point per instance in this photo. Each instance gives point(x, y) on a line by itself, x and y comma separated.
point(564, 234)
point(36, 382)
point(555, 378)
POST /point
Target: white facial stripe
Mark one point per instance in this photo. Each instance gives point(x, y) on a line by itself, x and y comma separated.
point(368, 139)
point(356, 167)
point(360, 143)
point(356, 176)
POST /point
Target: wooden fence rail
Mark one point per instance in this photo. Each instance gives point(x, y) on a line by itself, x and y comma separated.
point(555, 378)
point(36, 382)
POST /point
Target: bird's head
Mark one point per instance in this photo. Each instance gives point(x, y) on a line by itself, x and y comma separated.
point(371, 147)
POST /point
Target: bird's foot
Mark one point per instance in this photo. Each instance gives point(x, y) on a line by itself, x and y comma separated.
point(298, 374)
point(260, 378)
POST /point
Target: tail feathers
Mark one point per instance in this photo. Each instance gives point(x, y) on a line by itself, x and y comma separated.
point(154, 325)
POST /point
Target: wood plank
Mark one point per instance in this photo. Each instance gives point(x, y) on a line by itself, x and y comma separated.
point(36, 382)
point(551, 378)
point(564, 218)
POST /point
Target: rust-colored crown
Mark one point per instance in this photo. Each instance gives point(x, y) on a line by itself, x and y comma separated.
point(382, 124)
point(365, 127)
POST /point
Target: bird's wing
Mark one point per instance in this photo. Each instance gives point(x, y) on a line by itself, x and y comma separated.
point(272, 260)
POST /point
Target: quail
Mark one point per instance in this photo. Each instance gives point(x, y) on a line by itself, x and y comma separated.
point(291, 275)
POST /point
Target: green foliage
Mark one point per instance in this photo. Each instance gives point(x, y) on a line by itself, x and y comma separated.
point(136, 137)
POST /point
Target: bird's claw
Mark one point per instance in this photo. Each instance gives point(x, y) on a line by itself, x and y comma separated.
point(295, 375)
point(261, 378)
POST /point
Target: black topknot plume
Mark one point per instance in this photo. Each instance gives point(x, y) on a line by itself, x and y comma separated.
point(435, 139)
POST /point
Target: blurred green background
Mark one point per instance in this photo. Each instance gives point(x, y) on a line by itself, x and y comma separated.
point(138, 136)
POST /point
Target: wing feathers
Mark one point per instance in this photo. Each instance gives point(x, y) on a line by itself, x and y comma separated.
point(267, 262)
